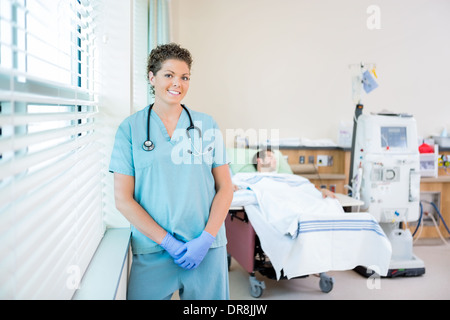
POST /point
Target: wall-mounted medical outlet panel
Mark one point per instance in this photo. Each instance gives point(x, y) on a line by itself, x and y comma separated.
point(324, 160)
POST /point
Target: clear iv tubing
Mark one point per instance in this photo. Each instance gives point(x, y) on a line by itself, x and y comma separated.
point(434, 221)
point(440, 216)
point(357, 180)
point(438, 231)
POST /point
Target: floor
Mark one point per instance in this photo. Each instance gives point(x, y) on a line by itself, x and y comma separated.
point(349, 285)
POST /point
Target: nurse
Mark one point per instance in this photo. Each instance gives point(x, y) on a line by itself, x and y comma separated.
point(175, 196)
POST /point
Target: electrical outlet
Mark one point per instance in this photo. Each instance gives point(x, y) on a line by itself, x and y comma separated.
point(322, 160)
point(428, 210)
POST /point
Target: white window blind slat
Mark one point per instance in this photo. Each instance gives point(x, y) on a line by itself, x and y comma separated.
point(39, 178)
point(43, 20)
point(56, 195)
point(22, 164)
point(64, 217)
point(87, 232)
point(27, 253)
point(24, 141)
point(23, 119)
point(57, 285)
point(31, 212)
point(34, 285)
point(39, 99)
point(51, 160)
point(44, 93)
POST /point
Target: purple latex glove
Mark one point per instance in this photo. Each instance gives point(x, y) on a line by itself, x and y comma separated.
point(172, 245)
point(193, 252)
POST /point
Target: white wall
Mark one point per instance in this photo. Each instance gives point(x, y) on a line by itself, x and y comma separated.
point(284, 64)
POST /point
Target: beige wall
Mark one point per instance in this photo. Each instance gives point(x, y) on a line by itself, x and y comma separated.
point(284, 64)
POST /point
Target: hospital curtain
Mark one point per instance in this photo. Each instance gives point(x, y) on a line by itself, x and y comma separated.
point(50, 155)
point(158, 25)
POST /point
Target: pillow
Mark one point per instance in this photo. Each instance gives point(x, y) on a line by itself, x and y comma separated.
point(241, 160)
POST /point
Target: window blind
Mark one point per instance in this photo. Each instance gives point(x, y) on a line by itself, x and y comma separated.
point(51, 160)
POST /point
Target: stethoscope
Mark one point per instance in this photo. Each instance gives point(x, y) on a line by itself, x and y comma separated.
point(149, 145)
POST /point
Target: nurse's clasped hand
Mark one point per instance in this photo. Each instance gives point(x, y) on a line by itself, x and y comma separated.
point(194, 251)
point(172, 245)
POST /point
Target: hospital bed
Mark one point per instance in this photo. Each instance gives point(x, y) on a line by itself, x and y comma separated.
point(246, 246)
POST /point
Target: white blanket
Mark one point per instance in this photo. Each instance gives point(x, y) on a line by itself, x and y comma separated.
point(302, 233)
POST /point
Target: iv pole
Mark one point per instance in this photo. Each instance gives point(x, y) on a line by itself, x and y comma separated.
point(358, 111)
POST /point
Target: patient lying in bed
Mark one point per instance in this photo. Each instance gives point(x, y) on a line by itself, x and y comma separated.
point(304, 230)
point(265, 161)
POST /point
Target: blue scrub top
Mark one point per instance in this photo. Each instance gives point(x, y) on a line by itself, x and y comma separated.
point(174, 181)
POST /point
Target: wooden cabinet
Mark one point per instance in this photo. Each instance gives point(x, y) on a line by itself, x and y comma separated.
point(441, 185)
point(331, 173)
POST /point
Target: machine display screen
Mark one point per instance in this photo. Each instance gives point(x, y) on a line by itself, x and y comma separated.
point(394, 137)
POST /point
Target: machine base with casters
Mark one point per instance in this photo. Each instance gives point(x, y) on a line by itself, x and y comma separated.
point(400, 268)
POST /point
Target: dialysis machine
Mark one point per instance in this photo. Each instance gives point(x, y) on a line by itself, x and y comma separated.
point(385, 175)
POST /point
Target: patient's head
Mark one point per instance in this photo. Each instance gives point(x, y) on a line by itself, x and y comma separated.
point(265, 161)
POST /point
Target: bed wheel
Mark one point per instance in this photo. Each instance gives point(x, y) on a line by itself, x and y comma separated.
point(326, 283)
point(256, 287)
point(256, 291)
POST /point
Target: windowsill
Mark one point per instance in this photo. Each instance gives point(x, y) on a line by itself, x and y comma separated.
point(102, 277)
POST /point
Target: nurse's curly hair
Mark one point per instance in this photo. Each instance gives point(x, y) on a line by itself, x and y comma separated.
point(165, 52)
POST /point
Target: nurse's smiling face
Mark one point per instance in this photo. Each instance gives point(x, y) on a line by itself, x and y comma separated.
point(171, 82)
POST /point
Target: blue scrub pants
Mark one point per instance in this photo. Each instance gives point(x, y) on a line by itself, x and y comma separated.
point(155, 276)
